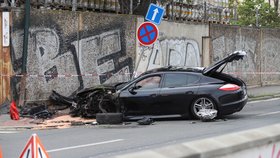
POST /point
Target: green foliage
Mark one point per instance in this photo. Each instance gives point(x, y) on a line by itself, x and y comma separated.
point(267, 16)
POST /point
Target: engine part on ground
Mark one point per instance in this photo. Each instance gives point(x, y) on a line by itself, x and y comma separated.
point(36, 111)
point(145, 121)
point(45, 114)
point(109, 118)
point(207, 114)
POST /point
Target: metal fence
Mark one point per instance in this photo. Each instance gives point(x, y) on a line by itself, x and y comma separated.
point(176, 10)
point(203, 11)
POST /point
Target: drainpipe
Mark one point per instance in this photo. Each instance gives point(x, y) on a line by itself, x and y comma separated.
point(24, 53)
point(25, 36)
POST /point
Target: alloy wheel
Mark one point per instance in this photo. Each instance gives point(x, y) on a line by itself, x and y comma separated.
point(201, 104)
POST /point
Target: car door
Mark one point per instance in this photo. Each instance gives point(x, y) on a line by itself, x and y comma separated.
point(140, 97)
point(177, 92)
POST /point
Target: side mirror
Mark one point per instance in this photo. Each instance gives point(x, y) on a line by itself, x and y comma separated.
point(132, 89)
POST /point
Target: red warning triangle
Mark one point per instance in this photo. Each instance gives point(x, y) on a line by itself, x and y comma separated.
point(34, 149)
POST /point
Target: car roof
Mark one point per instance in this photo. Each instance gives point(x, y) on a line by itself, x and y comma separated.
point(174, 69)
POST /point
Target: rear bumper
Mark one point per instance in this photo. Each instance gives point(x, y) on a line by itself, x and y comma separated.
point(229, 108)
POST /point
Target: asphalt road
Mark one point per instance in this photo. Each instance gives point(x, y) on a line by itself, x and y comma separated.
point(108, 141)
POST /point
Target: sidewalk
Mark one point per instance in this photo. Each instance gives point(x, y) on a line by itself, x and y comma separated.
point(7, 124)
point(266, 92)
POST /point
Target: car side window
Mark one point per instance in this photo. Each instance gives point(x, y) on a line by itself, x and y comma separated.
point(192, 79)
point(149, 82)
point(175, 80)
point(179, 80)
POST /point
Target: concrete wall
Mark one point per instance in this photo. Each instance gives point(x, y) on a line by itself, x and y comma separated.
point(89, 48)
point(260, 66)
point(179, 44)
point(270, 56)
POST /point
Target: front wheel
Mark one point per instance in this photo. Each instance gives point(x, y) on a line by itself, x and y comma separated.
point(202, 103)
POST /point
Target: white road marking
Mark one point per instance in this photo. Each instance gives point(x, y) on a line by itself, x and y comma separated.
point(8, 132)
point(85, 145)
point(258, 101)
point(269, 113)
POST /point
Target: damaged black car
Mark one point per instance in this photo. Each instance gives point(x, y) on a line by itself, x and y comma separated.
point(185, 91)
point(166, 91)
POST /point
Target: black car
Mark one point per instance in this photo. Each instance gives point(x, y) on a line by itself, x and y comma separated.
point(175, 90)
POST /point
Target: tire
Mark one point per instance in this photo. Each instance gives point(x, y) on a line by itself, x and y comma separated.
point(109, 118)
point(199, 103)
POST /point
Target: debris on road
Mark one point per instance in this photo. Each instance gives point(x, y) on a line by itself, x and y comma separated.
point(36, 111)
point(64, 121)
point(145, 121)
point(207, 114)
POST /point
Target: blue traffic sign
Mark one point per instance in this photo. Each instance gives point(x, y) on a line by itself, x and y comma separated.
point(154, 14)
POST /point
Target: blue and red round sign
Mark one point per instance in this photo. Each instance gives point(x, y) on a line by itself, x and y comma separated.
point(147, 33)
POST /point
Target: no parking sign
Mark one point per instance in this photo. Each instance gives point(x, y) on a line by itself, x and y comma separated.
point(147, 33)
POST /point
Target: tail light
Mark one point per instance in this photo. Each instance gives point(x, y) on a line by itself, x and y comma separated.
point(229, 87)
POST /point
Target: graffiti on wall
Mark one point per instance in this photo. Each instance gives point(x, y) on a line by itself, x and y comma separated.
point(165, 52)
point(223, 46)
point(246, 69)
point(270, 67)
point(68, 66)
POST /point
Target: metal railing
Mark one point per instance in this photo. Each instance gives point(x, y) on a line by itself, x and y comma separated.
point(175, 10)
point(204, 11)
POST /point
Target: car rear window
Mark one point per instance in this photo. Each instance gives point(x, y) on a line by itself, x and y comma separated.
point(179, 80)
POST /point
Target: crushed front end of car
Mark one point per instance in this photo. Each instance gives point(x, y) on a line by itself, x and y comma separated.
point(89, 101)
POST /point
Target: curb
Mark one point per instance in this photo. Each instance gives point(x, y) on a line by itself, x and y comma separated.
point(216, 146)
point(263, 97)
point(15, 128)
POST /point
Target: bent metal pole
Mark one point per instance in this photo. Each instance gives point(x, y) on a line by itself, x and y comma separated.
point(25, 36)
point(24, 53)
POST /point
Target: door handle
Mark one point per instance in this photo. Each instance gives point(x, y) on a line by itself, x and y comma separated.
point(153, 95)
point(189, 92)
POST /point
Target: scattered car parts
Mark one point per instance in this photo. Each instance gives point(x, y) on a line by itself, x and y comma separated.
point(207, 114)
point(36, 111)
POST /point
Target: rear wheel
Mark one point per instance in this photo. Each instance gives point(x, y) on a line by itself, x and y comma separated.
point(200, 104)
